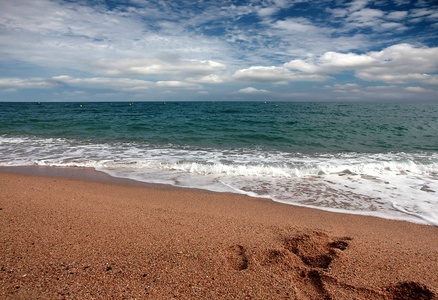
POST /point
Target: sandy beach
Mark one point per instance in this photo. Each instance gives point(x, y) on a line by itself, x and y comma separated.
point(65, 238)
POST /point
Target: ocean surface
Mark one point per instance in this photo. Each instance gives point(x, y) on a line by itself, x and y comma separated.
point(361, 158)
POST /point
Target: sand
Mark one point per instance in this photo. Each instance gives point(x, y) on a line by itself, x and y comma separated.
point(65, 238)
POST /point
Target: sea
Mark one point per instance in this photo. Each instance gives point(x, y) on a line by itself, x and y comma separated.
point(359, 158)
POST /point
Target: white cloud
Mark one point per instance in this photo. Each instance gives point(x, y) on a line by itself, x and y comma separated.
point(262, 74)
point(399, 78)
point(300, 36)
point(296, 25)
point(49, 18)
point(421, 12)
point(274, 74)
point(360, 15)
point(124, 84)
point(208, 79)
point(401, 63)
point(166, 65)
point(397, 15)
point(173, 45)
point(102, 41)
point(251, 90)
point(12, 84)
point(331, 62)
point(267, 11)
point(365, 18)
point(341, 60)
point(394, 26)
point(338, 12)
point(178, 84)
point(346, 88)
point(417, 89)
point(357, 5)
point(76, 36)
point(378, 93)
point(302, 66)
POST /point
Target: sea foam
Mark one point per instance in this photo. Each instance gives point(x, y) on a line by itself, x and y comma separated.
point(392, 185)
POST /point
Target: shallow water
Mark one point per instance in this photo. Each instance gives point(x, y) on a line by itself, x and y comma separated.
point(365, 158)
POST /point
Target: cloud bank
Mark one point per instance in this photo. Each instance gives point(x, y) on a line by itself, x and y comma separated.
point(218, 50)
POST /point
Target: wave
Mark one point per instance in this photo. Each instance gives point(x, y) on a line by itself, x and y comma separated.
point(276, 170)
point(208, 161)
point(393, 185)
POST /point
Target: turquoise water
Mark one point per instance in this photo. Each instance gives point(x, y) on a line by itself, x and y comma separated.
point(294, 127)
point(366, 158)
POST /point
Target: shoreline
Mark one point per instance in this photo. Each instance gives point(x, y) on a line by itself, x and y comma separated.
point(82, 173)
point(78, 237)
point(93, 175)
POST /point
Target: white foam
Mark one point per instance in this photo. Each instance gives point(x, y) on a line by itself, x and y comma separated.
point(394, 185)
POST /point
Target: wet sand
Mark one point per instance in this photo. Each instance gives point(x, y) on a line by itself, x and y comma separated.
point(67, 238)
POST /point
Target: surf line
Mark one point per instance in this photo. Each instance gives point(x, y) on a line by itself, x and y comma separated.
point(429, 220)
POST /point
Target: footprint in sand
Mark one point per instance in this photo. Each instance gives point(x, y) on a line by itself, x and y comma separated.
point(236, 257)
point(410, 290)
point(316, 249)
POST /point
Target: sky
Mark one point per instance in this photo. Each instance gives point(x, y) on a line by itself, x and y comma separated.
point(204, 50)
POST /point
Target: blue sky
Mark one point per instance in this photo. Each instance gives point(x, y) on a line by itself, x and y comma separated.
point(141, 50)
